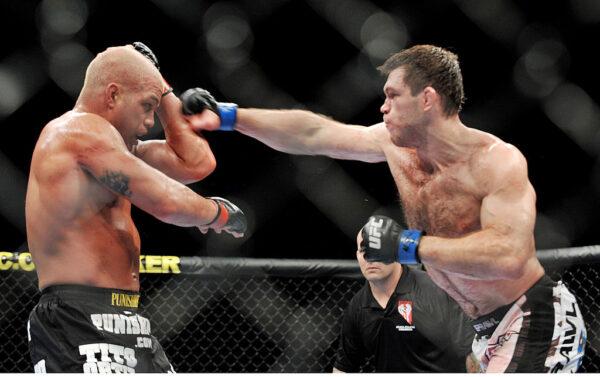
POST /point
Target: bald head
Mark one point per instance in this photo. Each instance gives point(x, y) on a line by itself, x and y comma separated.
point(122, 65)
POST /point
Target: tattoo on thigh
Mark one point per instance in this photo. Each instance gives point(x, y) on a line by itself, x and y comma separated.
point(117, 182)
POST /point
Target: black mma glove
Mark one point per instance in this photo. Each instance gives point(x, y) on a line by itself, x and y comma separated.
point(195, 100)
point(229, 218)
point(384, 240)
point(145, 50)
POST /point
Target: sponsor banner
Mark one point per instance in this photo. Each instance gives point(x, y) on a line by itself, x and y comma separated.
point(149, 264)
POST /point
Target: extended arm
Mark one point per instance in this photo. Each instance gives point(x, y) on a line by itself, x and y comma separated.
point(304, 132)
point(102, 153)
point(292, 131)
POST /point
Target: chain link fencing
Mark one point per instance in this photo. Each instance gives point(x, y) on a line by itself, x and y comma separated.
point(255, 315)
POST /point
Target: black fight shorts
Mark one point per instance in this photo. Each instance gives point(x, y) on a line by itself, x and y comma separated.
point(543, 331)
point(86, 329)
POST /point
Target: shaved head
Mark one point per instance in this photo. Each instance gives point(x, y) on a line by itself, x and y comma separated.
point(121, 65)
point(125, 88)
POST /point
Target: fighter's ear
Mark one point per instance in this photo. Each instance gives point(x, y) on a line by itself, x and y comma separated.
point(430, 98)
point(111, 94)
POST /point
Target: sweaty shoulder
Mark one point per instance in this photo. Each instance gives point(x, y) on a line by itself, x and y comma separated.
point(497, 164)
point(71, 143)
point(375, 139)
point(78, 126)
point(82, 134)
point(379, 134)
point(64, 147)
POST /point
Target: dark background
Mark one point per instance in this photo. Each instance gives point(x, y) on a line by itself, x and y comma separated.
point(530, 75)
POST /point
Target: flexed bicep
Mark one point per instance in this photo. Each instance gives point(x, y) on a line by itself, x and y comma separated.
point(509, 207)
point(185, 155)
point(508, 214)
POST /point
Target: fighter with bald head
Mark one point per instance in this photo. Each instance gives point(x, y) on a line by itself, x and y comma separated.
point(87, 169)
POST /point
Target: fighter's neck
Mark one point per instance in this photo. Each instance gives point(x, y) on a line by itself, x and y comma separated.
point(444, 143)
point(85, 107)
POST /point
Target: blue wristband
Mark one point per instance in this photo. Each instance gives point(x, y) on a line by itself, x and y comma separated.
point(407, 248)
point(228, 115)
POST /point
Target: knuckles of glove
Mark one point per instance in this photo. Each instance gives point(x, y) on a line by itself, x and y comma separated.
point(236, 222)
point(147, 52)
point(196, 100)
point(380, 238)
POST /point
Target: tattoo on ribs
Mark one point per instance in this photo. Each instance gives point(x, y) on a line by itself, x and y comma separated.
point(117, 182)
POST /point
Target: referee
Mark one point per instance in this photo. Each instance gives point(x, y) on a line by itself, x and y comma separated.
point(405, 321)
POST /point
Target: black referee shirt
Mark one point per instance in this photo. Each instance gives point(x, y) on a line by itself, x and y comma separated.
point(421, 330)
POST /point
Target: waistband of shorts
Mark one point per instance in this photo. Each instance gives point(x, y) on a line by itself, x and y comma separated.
point(107, 296)
point(486, 324)
point(544, 280)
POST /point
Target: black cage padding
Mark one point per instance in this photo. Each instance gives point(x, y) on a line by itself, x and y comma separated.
point(264, 315)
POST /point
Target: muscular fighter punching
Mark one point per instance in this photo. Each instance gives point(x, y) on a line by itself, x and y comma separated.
point(87, 169)
point(466, 197)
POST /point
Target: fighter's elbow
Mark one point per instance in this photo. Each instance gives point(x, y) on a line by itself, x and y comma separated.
point(511, 269)
point(204, 168)
point(199, 171)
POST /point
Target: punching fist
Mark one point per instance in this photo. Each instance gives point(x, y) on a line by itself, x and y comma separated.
point(145, 50)
point(229, 218)
point(384, 240)
point(196, 100)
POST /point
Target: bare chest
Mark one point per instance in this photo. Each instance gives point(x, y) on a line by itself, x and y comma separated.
point(101, 206)
point(114, 217)
point(444, 203)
